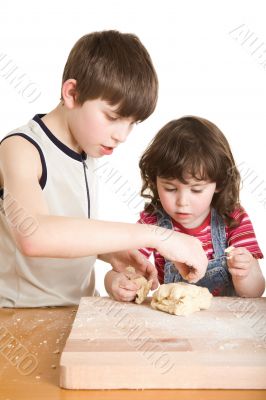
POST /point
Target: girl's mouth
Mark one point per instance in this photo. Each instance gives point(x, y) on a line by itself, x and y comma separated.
point(182, 215)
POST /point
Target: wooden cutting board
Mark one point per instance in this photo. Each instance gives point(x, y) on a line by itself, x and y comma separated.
point(116, 345)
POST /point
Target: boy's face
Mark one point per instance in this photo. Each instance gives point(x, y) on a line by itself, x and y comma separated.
point(187, 204)
point(96, 128)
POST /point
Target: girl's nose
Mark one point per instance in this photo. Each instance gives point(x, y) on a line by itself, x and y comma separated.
point(181, 200)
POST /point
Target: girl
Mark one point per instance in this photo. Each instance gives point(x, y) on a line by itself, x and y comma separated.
point(192, 183)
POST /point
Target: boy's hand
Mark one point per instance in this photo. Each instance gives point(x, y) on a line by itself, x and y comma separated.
point(185, 252)
point(122, 259)
point(120, 287)
point(239, 262)
point(190, 274)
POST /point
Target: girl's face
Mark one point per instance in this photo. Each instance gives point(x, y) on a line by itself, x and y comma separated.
point(188, 204)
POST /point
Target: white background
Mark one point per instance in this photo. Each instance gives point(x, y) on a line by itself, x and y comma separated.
point(207, 66)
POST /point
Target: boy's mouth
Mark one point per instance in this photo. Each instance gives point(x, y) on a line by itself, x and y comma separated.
point(105, 150)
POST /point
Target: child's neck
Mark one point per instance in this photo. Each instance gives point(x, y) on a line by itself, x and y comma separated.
point(56, 122)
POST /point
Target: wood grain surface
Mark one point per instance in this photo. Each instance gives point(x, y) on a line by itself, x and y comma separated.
point(116, 345)
point(43, 332)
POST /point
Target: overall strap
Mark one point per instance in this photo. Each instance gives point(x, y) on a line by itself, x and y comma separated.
point(218, 234)
point(163, 219)
point(170, 272)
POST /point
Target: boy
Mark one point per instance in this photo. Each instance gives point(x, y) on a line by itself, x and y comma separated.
point(49, 237)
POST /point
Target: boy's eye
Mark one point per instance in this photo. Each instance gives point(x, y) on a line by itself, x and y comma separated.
point(111, 118)
point(197, 191)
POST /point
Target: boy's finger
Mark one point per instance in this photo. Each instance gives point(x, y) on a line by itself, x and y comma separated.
point(144, 265)
point(146, 268)
point(193, 277)
point(152, 275)
point(183, 269)
point(155, 283)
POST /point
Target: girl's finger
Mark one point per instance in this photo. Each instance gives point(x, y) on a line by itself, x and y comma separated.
point(239, 265)
point(239, 259)
point(237, 272)
point(238, 251)
point(125, 295)
point(129, 285)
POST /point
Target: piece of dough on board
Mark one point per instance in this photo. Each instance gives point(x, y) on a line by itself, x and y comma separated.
point(145, 285)
point(181, 298)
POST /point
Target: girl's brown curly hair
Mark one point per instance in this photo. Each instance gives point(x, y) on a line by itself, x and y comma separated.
point(196, 147)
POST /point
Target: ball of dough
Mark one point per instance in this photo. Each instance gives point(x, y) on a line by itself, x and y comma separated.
point(181, 298)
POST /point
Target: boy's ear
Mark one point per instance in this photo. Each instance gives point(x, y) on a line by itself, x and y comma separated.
point(69, 93)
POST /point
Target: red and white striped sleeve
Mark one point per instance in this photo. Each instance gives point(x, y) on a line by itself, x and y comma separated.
point(243, 235)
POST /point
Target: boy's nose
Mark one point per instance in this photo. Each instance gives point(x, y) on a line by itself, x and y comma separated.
point(121, 132)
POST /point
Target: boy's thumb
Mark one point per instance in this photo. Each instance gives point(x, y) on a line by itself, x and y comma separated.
point(183, 269)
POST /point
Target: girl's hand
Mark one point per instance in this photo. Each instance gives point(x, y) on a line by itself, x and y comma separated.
point(185, 251)
point(120, 287)
point(239, 262)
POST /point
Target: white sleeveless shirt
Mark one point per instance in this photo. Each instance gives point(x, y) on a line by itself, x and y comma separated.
point(70, 188)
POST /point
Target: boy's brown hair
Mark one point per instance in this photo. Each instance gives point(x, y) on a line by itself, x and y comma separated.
point(117, 68)
point(192, 146)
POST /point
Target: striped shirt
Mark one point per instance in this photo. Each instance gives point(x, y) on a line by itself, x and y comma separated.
point(241, 236)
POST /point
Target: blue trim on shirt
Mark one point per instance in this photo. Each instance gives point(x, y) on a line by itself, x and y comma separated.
point(71, 153)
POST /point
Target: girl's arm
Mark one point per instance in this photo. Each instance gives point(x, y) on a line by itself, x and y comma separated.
point(119, 287)
point(247, 276)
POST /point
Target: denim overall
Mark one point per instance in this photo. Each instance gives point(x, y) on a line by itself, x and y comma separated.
point(217, 278)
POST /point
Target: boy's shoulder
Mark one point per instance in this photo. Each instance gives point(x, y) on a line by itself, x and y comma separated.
point(17, 155)
point(25, 129)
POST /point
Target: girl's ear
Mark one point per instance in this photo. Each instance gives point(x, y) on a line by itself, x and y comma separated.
point(69, 93)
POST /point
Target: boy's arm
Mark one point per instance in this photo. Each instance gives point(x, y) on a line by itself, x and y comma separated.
point(63, 237)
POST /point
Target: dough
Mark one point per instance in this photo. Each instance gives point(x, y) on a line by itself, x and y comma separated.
point(145, 285)
point(181, 298)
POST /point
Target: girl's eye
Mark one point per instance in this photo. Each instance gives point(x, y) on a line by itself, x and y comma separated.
point(170, 190)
